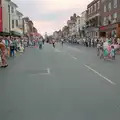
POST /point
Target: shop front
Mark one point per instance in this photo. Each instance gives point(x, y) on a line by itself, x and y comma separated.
point(110, 31)
point(92, 32)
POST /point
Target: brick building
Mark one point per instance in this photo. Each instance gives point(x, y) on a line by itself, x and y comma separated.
point(110, 18)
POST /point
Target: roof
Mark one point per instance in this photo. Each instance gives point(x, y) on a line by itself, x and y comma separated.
point(13, 4)
point(94, 1)
point(19, 13)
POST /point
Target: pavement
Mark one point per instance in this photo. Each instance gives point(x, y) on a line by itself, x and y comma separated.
point(62, 83)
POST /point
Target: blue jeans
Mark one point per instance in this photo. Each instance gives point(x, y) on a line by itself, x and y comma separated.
point(12, 53)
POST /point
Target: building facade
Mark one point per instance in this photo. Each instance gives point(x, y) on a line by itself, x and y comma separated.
point(4, 16)
point(15, 20)
point(93, 19)
point(1, 17)
point(83, 20)
point(110, 18)
point(72, 26)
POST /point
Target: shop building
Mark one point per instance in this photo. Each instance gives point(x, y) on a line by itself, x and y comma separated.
point(110, 18)
point(93, 19)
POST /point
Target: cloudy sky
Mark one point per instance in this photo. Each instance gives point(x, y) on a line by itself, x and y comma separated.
point(50, 15)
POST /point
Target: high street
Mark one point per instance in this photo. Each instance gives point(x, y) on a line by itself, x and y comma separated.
point(62, 83)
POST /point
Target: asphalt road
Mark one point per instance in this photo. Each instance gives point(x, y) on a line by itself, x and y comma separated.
point(65, 83)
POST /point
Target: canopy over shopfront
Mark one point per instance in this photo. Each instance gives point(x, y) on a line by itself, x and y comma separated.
point(14, 33)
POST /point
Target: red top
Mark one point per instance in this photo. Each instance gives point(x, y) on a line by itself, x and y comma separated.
point(2, 46)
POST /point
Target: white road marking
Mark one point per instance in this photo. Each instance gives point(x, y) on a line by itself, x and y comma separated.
point(48, 70)
point(75, 49)
point(57, 50)
point(105, 78)
point(74, 57)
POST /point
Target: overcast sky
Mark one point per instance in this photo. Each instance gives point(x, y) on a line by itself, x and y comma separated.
point(50, 15)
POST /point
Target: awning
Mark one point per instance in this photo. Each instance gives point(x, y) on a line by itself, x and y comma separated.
point(4, 33)
point(14, 33)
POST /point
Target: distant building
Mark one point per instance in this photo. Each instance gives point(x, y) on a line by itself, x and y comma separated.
point(110, 18)
point(65, 32)
point(72, 26)
point(83, 20)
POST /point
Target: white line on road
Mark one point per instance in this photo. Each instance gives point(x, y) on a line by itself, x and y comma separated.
point(105, 78)
point(57, 50)
point(74, 57)
point(48, 70)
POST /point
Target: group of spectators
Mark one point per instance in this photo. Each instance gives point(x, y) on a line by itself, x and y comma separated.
point(89, 42)
point(9, 46)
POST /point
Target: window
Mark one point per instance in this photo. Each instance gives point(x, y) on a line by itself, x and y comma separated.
point(0, 3)
point(12, 10)
point(104, 22)
point(8, 8)
point(109, 6)
point(16, 23)
point(115, 15)
point(114, 18)
point(109, 19)
point(105, 9)
point(98, 4)
point(90, 10)
point(12, 23)
point(115, 3)
point(95, 7)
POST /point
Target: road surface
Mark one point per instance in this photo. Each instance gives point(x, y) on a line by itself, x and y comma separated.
point(62, 83)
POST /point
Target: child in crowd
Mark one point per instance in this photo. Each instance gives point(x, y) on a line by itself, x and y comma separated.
point(112, 53)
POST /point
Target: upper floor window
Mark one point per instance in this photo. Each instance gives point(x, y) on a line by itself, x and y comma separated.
point(95, 7)
point(109, 19)
point(115, 3)
point(115, 15)
point(13, 24)
point(12, 10)
point(92, 8)
point(98, 4)
point(16, 23)
point(109, 6)
point(104, 21)
point(105, 8)
point(0, 2)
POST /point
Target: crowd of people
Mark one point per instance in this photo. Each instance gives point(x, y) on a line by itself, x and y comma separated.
point(9, 46)
point(107, 48)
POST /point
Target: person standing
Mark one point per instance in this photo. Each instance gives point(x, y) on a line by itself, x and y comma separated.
point(3, 53)
point(112, 52)
point(12, 49)
point(62, 41)
point(53, 42)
